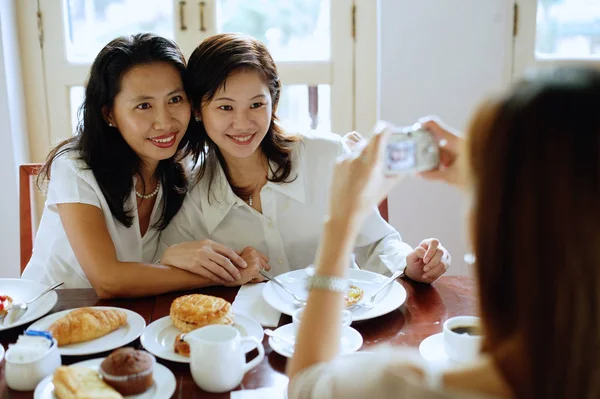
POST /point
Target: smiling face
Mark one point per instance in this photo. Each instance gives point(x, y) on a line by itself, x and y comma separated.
point(151, 111)
point(239, 115)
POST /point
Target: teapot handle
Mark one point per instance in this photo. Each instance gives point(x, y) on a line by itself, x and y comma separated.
point(261, 353)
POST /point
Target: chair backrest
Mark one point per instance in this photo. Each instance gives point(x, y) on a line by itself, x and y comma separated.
point(26, 172)
point(383, 209)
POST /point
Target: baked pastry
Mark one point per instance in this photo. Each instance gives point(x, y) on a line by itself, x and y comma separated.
point(190, 312)
point(86, 324)
point(182, 347)
point(5, 304)
point(128, 370)
point(77, 382)
point(353, 295)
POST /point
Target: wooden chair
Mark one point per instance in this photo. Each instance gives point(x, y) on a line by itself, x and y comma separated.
point(26, 172)
point(383, 209)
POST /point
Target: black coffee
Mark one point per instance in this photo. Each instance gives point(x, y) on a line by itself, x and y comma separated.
point(469, 330)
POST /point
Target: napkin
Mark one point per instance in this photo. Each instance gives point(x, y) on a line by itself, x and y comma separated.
point(250, 302)
point(260, 393)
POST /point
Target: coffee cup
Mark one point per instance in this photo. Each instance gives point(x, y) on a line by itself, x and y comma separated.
point(217, 358)
point(297, 318)
point(462, 338)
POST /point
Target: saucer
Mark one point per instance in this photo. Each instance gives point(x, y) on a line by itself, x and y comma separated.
point(432, 350)
point(159, 336)
point(351, 340)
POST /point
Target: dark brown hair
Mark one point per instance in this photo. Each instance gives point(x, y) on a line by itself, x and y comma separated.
point(208, 68)
point(534, 159)
point(103, 148)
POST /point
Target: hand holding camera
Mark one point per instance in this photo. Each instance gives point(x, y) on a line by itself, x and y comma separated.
point(450, 144)
point(428, 148)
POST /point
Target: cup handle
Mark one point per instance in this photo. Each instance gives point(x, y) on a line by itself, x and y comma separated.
point(261, 353)
point(346, 318)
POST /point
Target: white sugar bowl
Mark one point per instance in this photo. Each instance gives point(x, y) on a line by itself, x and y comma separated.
point(27, 365)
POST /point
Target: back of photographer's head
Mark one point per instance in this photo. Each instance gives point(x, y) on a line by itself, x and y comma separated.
point(534, 163)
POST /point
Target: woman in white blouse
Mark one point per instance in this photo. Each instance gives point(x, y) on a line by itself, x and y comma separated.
point(119, 181)
point(531, 160)
point(261, 189)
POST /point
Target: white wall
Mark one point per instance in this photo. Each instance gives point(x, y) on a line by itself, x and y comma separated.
point(14, 148)
point(439, 57)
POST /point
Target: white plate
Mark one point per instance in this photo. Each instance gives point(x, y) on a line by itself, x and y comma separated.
point(158, 338)
point(122, 336)
point(432, 350)
point(23, 290)
point(390, 299)
point(164, 383)
point(351, 340)
point(1, 352)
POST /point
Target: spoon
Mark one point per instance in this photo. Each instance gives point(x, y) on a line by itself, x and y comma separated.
point(273, 334)
point(18, 309)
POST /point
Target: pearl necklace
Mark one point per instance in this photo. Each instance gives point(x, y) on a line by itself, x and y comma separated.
point(250, 200)
point(152, 194)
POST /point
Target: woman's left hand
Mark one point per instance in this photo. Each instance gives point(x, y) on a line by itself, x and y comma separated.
point(427, 262)
point(354, 140)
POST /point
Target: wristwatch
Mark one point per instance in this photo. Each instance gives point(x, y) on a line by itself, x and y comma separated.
point(327, 283)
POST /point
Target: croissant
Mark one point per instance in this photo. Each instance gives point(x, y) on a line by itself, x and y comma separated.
point(86, 324)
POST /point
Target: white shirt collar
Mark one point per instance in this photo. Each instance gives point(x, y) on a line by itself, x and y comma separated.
point(221, 198)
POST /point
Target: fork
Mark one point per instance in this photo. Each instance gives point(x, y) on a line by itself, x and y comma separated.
point(17, 310)
point(371, 302)
point(297, 300)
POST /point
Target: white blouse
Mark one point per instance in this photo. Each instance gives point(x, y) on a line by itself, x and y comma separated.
point(53, 259)
point(379, 374)
point(289, 229)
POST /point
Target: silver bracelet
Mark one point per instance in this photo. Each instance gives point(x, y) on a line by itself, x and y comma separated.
point(327, 283)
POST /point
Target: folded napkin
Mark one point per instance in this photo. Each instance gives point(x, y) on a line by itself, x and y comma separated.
point(249, 301)
point(260, 393)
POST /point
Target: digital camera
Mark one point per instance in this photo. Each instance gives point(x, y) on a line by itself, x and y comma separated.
point(409, 149)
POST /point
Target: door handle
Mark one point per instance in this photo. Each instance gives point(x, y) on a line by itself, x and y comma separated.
point(182, 25)
point(201, 6)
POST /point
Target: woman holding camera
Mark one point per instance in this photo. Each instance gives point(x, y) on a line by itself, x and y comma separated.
point(262, 189)
point(531, 169)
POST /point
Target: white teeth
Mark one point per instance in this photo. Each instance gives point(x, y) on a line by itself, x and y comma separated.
point(164, 140)
point(241, 139)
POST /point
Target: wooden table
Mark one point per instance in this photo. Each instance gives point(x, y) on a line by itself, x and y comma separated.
point(422, 315)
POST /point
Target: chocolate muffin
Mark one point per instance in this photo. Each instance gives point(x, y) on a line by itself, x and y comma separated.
point(129, 371)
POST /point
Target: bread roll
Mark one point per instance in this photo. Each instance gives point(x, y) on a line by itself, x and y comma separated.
point(190, 312)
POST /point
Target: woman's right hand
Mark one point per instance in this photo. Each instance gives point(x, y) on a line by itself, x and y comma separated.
point(256, 262)
point(450, 143)
point(206, 258)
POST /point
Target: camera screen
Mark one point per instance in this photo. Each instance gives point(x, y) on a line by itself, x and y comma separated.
point(400, 155)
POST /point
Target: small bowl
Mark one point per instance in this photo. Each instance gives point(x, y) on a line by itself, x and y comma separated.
point(24, 376)
point(132, 384)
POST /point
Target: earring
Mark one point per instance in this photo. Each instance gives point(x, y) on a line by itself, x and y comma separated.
point(197, 119)
point(110, 124)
